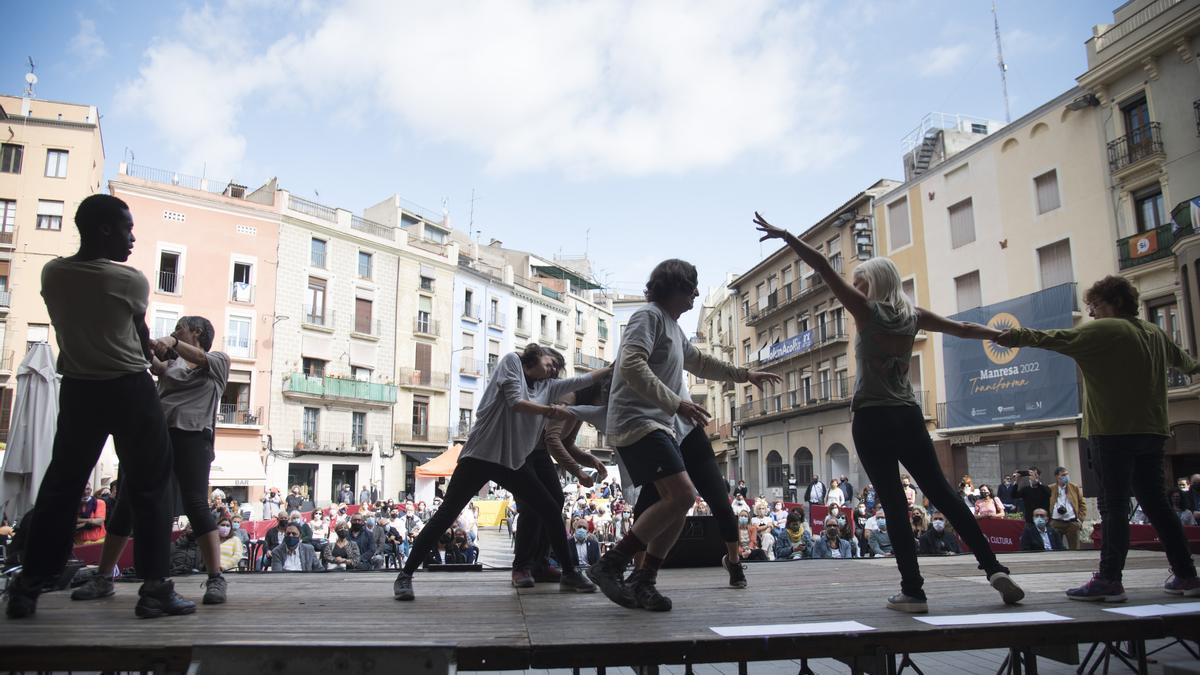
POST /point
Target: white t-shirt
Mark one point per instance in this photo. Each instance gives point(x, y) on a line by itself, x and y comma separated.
point(630, 415)
point(291, 563)
point(1064, 502)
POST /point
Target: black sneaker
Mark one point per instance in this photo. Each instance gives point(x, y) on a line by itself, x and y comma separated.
point(642, 584)
point(609, 575)
point(97, 586)
point(737, 573)
point(22, 593)
point(214, 590)
point(574, 581)
point(158, 598)
point(402, 586)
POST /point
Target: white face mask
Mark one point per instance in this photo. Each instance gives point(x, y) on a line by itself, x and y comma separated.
point(939, 525)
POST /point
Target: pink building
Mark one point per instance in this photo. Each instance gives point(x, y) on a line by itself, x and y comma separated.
point(210, 249)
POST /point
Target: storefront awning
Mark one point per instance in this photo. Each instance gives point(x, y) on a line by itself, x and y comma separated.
point(233, 467)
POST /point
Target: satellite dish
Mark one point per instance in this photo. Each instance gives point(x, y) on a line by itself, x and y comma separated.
point(31, 78)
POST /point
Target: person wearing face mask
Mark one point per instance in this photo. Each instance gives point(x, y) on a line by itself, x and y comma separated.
point(306, 533)
point(881, 541)
point(845, 527)
point(364, 538)
point(1007, 492)
point(238, 531)
point(318, 525)
point(988, 505)
point(584, 549)
point(294, 500)
point(1068, 510)
point(1039, 536)
point(293, 555)
point(868, 497)
point(272, 504)
point(342, 552)
point(796, 540)
point(936, 540)
point(229, 544)
point(831, 544)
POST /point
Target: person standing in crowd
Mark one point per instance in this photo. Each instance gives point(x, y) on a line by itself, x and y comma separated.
point(1032, 492)
point(988, 505)
point(936, 540)
point(191, 381)
point(1007, 492)
point(835, 497)
point(1175, 498)
point(364, 496)
point(847, 488)
point(1192, 494)
point(294, 499)
point(815, 494)
point(107, 496)
point(1069, 508)
point(345, 494)
point(869, 498)
point(272, 504)
point(660, 437)
point(887, 421)
point(910, 495)
point(515, 404)
point(1039, 536)
point(89, 523)
point(1124, 361)
point(98, 309)
point(741, 490)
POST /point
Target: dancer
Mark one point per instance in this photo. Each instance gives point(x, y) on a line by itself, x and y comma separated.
point(1124, 362)
point(190, 386)
point(511, 414)
point(531, 547)
point(649, 414)
point(98, 308)
point(888, 424)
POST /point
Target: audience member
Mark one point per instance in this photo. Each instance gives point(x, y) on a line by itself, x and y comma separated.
point(272, 504)
point(815, 494)
point(318, 526)
point(869, 497)
point(910, 495)
point(1176, 499)
point(741, 490)
point(846, 488)
point(342, 553)
point(988, 505)
point(293, 555)
point(796, 542)
point(1032, 493)
point(835, 497)
point(880, 540)
point(229, 544)
point(1069, 508)
point(830, 544)
point(89, 522)
point(236, 524)
point(936, 540)
point(306, 533)
point(294, 500)
point(1039, 536)
point(585, 550)
point(1007, 492)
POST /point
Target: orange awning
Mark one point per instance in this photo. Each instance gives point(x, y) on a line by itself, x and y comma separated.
point(442, 465)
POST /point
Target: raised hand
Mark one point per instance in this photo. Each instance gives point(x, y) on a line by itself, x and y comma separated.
point(769, 231)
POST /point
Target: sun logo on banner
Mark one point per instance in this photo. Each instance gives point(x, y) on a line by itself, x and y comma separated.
point(999, 354)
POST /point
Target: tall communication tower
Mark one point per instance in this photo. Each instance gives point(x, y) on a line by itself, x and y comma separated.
point(1000, 62)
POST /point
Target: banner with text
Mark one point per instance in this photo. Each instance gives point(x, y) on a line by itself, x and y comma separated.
point(989, 384)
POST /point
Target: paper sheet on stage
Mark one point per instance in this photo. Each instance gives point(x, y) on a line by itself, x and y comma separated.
point(790, 629)
point(1157, 610)
point(986, 619)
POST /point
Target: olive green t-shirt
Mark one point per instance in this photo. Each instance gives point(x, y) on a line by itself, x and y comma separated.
point(883, 350)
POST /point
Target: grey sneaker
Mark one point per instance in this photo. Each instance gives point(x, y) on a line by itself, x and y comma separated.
point(214, 590)
point(1008, 589)
point(905, 603)
point(402, 587)
point(97, 586)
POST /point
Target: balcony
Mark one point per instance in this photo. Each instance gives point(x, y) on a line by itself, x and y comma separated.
point(497, 320)
point(411, 378)
point(545, 339)
point(336, 444)
point(5, 300)
point(427, 327)
point(602, 332)
point(312, 208)
point(169, 282)
point(728, 387)
point(367, 329)
point(6, 361)
point(471, 312)
point(830, 332)
point(8, 238)
point(1141, 144)
point(234, 415)
point(560, 341)
point(423, 433)
point(462, 430)
point(1146, 247)
point(522, 329)
point(470, 366)
point(836, 391)
point(239, 347)
point(241, 293)
point(781, 298)
point(329, 388)
point(372, 228)
point(319, 317)
point(588, 362)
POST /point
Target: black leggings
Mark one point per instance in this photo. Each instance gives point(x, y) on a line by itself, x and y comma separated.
point(193, 455)
point(530, 543)
point(468, 478)
point(884, 435)
point(701, 464)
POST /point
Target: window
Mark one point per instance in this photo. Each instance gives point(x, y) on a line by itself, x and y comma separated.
point(967, 289)
point(362, 317)
point(909, 288)
point(360, 373)
point(241, 288)
point(237, 336)
point(602, 329)
point(420, 418)
point(435, 235)
point(1166, 316)
point(49, 215)
point(317, 253)
point(11, 155)
point(469, 304)
point(56, 163)
point(521, 319)
point(314, 304)
point(358, 429)
point(364, 265)
point(494, 313)
point(962, 223)
point(558, 332)
point(786, 276)
point(745, 352)
point(164, 323)
point(313, 367)
point(426, 283)
point(493, 356)
point(38, 332)
point(542, 326)
point(312, 423)
point(1148, 208)
point(1054, 261)
point(833, 249)
point(464, 420)
point(914, 373)
point(169, 278)
point(8, 220)
point(425, 315)
point(898, 226)
point(579, 325)
point(1046, 186)
point(468, 353)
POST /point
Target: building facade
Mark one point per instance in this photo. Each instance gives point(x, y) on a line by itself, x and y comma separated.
point(718, 333)
point(483, 332)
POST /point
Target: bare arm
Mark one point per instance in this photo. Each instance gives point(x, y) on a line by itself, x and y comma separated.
point(927, 320)
point(143, 333)
point(854, 301)
point(190, 353)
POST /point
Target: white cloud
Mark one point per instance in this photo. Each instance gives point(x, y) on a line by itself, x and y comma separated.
point(87, 44)
point(587, 87)
point(943, 60)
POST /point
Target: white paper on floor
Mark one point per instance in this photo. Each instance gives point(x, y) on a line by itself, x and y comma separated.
point(790, 629)
point(1157, 610)
point(986, 619)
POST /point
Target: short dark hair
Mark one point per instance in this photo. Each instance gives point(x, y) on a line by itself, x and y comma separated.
point(1117, 292)
point(533, 353)
point(671, 277)
point(97, 210)
point(205, 328)
point(1059, 469)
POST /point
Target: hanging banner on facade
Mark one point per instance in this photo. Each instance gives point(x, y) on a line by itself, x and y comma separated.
point(1143, 245)
point(989, 384)
point(796, 344)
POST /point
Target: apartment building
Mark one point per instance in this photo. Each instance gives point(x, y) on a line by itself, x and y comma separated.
point(794, 327)
point(483, 332)
point(209, 249)
point(717, 335)
point(1143, 77)
point(51, 158)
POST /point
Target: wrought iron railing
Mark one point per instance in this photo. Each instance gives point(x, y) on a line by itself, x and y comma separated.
point(241, 293)
point(412, 377)
point(424, 326)
point(337, 443)
point(169, 282)
point(835, 390)
point(1144, 247)
point(1137, 145)
point(234, 414)
point(422, 433)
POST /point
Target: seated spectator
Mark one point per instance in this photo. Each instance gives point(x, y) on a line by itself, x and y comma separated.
point(740, 504)
point(920, 521)
point(364, 539)
point(936, 540)
point(796, 541)
point(967, 491)
point(306, 535)
point(1039, 536)
point(835, 496)
point(762, 522)
point(185, 554)
point(746, 542)
point(274, 536)
point(869, 497)
point(231, 547)
point(294, 500)
point(779, 514)
point(318, 525)
point(584, 549)
point(387, 537)
point(236, 524)
point(342, 553)
point(880, 540)
point(1176, 499)
point(830, 544)
point(89, 522)
point(294, 555)
point(846, 533)
point(988, 505)
point(861, 516)
point(700, 508)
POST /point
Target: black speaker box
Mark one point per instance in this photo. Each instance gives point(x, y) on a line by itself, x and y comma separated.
point(699, 544)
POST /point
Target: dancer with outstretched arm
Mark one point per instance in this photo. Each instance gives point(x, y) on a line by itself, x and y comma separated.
point(512, 412)
point(888, 424)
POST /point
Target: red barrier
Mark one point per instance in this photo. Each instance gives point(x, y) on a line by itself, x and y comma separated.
point(1146, 537)
point(1004, 535)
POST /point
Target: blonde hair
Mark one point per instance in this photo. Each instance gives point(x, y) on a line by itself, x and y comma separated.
point(884, 285)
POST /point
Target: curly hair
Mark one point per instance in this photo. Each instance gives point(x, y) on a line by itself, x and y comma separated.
point(671, 277)
point(1117, 292)
point(533, 353)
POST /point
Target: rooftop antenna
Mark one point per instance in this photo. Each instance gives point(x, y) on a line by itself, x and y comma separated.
point(1000, 62)
point(587, 238)
point(471, 218)
point(30, 78)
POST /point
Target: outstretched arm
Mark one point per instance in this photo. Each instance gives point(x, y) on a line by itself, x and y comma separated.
point(927, 320)
point(851, 298)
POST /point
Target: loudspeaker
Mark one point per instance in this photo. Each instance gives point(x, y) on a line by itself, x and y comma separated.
point(699, 544)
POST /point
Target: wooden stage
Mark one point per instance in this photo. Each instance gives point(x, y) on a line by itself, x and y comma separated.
point(348, 622)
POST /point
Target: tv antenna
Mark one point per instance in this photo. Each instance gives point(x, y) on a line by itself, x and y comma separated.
point(30, 78)
point(1000, 62)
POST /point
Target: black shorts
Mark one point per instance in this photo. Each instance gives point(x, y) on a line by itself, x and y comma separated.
point(656, 455)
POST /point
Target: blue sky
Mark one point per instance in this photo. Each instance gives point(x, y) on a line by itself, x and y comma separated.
point(638, 131)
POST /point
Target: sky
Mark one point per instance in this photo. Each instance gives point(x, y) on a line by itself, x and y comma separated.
point(629, 131)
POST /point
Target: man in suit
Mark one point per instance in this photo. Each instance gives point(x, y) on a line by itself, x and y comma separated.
point(584, 549)
point(1039, 536)
point(292, 555)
